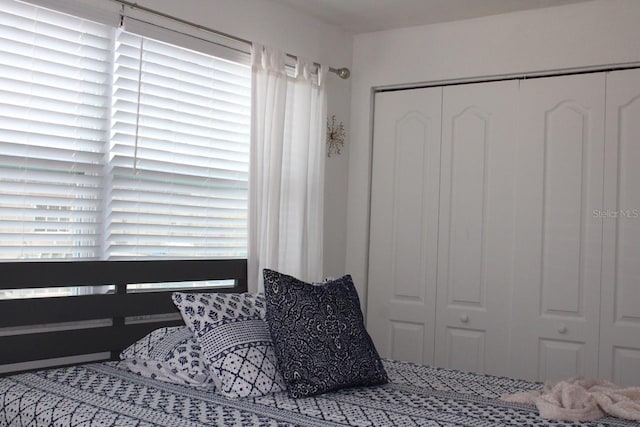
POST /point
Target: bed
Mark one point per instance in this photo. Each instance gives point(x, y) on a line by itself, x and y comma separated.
point(107, 393)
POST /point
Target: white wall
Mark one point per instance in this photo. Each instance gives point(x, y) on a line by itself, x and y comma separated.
point(586, 34)
point(276, 25)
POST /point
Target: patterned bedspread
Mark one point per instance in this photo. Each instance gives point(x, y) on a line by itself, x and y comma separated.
point(107, 394)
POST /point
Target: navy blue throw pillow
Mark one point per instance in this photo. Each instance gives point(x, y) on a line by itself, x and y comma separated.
point(319, 336)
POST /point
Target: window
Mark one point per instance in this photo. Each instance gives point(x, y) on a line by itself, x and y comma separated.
point(116, 146)
point(54, 118)
point(180, 189)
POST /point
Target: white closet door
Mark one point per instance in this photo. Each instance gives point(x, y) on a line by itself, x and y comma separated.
point(476, 226)
point(556, 302)
point(404, 218)
point(620, 319)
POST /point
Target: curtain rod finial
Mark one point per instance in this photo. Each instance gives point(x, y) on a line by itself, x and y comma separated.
point(343, 73)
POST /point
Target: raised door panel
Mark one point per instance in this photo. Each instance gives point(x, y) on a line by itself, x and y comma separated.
point(403, 228)
point(558, 246)
point(476, 226)
point(620, 314)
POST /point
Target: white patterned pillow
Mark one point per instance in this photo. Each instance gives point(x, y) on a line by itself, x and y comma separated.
point(171, 355)
point(235, 339)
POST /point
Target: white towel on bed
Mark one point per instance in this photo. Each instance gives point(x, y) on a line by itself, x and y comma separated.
point(579, 399)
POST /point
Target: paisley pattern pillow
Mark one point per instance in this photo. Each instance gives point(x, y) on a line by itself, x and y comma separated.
point(171, 355)
point(319, 335)
point(235, 339)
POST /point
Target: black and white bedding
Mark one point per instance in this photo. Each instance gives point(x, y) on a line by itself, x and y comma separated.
point(299, 354)
point(109, 394)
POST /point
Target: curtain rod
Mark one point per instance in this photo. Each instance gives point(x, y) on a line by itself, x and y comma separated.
point(343, 73)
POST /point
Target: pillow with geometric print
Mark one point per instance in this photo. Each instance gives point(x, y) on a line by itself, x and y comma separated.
point(235, 339)
point(171, 355)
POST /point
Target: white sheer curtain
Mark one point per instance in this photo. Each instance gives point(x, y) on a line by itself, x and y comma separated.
point(286, 181)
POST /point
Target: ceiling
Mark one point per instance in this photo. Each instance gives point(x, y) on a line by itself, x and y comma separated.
point(361, 16)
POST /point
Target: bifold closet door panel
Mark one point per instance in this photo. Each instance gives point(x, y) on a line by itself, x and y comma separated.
point(479, 126)
point(559, 186)
point(620, 314)
point(404, 221)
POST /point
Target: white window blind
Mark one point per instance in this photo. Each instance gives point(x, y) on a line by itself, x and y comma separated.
point(180, 189)
point(54, 116)
point(115, 147)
